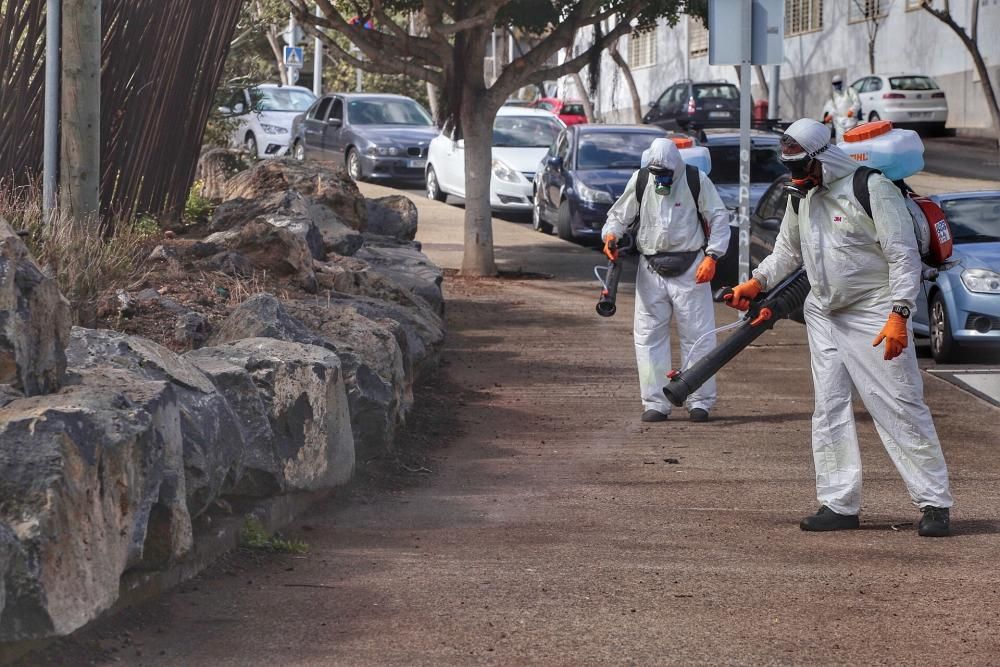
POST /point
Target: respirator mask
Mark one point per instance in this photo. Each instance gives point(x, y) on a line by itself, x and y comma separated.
point(663, 179)
point(799, 164)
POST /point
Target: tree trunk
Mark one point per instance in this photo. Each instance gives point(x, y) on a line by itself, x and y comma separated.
point(434, 101)
point(761, 81)
point(871, 56)
point(477, 132)
point(80, 168)
point(588, 107)
point(629, 81)
point(279, 53)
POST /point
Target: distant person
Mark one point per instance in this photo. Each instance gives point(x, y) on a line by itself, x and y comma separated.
point(843, 109)
point(676, 267)
point(865, 274)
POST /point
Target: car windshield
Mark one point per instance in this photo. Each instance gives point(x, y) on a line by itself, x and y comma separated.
point(573, 110)
point(716, 91)
point(912, 83)
point(525, 131)
point(281, 99)
point(387, 112)
point(973, 220)
point(764, 164)
point(612, 150)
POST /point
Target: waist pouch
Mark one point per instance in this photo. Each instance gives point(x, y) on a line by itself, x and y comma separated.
point(671, 264)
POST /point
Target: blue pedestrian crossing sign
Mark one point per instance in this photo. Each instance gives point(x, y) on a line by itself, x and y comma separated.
point(293, 56)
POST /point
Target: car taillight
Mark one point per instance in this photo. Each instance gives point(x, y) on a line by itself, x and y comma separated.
point(893, 96)
point(937, 95)
point(691, 107)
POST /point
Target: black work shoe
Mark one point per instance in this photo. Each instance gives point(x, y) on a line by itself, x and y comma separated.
point(698, 415)
point(826, 519)
point(935, 522)
point(654, 416)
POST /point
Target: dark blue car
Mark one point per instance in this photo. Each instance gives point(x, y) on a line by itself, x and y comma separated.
point(584, 172)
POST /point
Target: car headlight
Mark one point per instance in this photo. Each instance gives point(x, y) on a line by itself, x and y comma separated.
point(981, 280)
point(505, 173)
point(593, 195)
point(382, 151)
point(273, 129)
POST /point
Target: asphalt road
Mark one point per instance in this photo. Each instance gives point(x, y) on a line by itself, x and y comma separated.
point(962, 157)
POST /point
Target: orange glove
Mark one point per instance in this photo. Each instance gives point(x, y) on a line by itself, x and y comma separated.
point(850, 113)
point(895, 336)
point(611, 247)
point(706, 270)
point(743, 294)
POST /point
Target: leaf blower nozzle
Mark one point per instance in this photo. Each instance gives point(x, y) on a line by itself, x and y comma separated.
point(609, 276)
point(765, 310)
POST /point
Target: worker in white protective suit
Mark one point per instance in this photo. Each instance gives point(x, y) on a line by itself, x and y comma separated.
point(676, 267)
point(865, 275)
point(843, 109)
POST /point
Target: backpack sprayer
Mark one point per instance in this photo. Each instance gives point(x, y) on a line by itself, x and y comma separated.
point(776, 304)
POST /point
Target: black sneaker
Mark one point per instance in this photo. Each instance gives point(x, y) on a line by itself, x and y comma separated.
point(935, 522)
point(654, 416)
point(698, 415)
point(826, 519)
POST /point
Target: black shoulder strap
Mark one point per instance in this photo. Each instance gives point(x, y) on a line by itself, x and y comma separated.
point(694, 183)
point(640, 184)
point(795, 204)
point(861, 191)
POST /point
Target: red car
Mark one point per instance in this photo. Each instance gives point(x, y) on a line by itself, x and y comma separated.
point(569, 112)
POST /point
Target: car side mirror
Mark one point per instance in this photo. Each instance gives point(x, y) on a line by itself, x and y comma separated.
point(651, 105)
point(771, 224)
point(225, 111)
point(555, 162)
point(239, 108)
point(334, 122)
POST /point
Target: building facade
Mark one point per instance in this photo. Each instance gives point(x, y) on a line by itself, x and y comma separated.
point(823, 38)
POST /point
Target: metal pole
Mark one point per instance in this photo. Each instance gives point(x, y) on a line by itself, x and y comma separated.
point(50, 159)
point(745, 65)
point(292, 25)
point(318, 60)
point(493, 43)
point(773, 90)
point(357, 78)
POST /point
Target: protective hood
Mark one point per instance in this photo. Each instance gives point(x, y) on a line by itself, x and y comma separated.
point(813, 136)
point(663, 153)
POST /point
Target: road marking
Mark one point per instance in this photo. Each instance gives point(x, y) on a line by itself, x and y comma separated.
point(982, 383)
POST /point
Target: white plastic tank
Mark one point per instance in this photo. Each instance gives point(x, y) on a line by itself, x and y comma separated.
point(895, 152)
point(691, 154)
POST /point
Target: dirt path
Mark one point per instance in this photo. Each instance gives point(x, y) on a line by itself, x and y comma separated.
point(556, 529)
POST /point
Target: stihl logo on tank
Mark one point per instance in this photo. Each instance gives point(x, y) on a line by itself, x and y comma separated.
point(860, 157)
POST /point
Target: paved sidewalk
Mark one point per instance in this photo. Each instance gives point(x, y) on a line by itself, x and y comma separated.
point(557, 529)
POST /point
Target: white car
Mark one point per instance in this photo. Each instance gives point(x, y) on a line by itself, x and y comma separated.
point(905, 99)
point(263, 115)
point(521, 138)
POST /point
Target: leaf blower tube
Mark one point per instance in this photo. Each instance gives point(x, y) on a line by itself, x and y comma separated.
point(765, 310)
point(610, 275)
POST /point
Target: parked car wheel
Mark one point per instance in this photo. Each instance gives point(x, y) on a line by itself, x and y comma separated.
point(299, 151)
point(354, 164)
point(250, 144)
point(873, 116)
point(433, 189)
point(563, 226)
point(943, 347)
point(536, 218)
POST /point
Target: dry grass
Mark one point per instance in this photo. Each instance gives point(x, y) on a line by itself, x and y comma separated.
point(73, 252)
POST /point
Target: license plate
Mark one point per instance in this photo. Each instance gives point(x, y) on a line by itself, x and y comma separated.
point(416, 164)
point(920, 114)
point(719, 114)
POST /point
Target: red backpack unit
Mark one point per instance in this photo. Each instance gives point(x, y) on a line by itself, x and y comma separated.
point(934, 237)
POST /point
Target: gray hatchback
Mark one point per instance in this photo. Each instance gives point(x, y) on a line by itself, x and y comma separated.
point(377, 137)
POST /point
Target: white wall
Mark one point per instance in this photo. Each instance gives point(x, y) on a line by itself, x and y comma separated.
point(908, 41)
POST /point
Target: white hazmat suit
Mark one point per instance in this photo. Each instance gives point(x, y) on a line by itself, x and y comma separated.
point(669, 223)
point(844, 108)
point(859, 268)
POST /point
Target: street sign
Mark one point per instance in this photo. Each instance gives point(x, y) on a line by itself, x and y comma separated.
point(745, 33)
point(292, 35)
point(293, 57)
point(727, 32)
